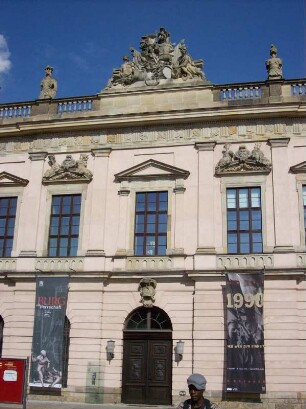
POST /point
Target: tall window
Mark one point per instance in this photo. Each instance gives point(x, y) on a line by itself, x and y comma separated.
point(1, 334)
point(304, 202)
point(66, 343)
point(244, 224)
point(151, 224)
point(64, 226)
point(7, 224)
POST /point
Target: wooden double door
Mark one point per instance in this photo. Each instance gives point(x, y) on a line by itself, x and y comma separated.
point(147, 368)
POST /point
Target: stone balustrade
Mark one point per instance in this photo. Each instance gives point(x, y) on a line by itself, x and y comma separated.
point(8, 264)
point(64, 265)
point(148, 263)
point(301, 260)
point(74, 105)
point(240, 92)
point(255, 261)
point(15, 111)
point(298, 89)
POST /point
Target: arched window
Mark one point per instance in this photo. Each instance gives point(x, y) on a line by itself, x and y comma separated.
point(66, 343)
point(1, 334)
point(148, 319)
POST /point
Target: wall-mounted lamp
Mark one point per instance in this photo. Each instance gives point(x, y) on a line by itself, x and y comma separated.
point(110, 347)
point(180, 349)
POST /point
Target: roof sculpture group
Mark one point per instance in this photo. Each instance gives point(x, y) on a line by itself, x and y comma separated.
point(157, 61)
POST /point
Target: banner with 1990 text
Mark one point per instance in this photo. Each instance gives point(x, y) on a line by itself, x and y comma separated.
point(48, 335)
point(245, 333)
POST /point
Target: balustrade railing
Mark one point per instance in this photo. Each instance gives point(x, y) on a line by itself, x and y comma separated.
point(298, 89)
point(15, 111)
point(237, 93)
point(76, 105)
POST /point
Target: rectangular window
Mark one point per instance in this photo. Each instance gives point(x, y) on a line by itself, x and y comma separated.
point(7, 224)
point(304, 204)
point(64, 226)
point(151, 224)
point(244, 220)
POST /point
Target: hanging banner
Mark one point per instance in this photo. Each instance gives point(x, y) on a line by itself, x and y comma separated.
point(47, 345)
point(245, 333)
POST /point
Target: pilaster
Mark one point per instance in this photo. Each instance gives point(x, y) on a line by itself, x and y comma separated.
point(98, 202)
point(205, 222)
point(283, 239)
point(29, 212)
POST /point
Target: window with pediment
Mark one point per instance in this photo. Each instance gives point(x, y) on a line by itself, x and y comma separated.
point(243, 175)
point(300, 173)
point(11, 189)
point(152, 186)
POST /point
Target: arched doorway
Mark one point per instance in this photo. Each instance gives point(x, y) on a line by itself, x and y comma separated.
point(147, 357)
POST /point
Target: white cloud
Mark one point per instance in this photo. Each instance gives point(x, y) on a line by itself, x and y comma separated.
point(5, 62)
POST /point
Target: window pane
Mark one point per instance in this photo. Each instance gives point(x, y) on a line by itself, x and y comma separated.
point(64, 230)
point(244, 248)
point(63, 252)
point(162, 250)
point(151, 228)
point(162, 228)
point(151, 218)
point(74, 230)
point(257, 247)
point(232, 238)
point(162, 240)
point(231, 198)
point(243, 198)
point(232, 248)
point(162, 218)
point(140, 228)
point(244, 238)
point(255, 197)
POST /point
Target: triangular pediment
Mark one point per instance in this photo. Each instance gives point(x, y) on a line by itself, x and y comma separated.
point(152, 169)
point(299, 168)
point(7, 179)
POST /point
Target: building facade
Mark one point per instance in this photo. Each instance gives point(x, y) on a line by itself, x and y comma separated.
point(146, 196)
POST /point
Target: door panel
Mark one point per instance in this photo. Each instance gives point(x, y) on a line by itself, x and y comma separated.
point(147, 371)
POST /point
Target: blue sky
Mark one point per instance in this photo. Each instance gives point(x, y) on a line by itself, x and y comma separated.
point(85, 39)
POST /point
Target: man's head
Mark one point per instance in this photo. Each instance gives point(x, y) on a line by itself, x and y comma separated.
point(196, 384)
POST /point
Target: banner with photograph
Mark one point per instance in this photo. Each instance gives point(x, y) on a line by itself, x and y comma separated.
point(245, 333)
point(48, 342)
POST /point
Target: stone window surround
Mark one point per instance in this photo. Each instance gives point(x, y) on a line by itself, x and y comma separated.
point(300, 182)
point(66, 189)
point(14, 191)
point(240, 182)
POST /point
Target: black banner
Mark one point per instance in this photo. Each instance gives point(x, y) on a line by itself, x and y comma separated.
point(47, 345)
point(245, 333)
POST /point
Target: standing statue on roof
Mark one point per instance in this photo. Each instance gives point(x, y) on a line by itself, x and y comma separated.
point(48, 85)
point(274, 65)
